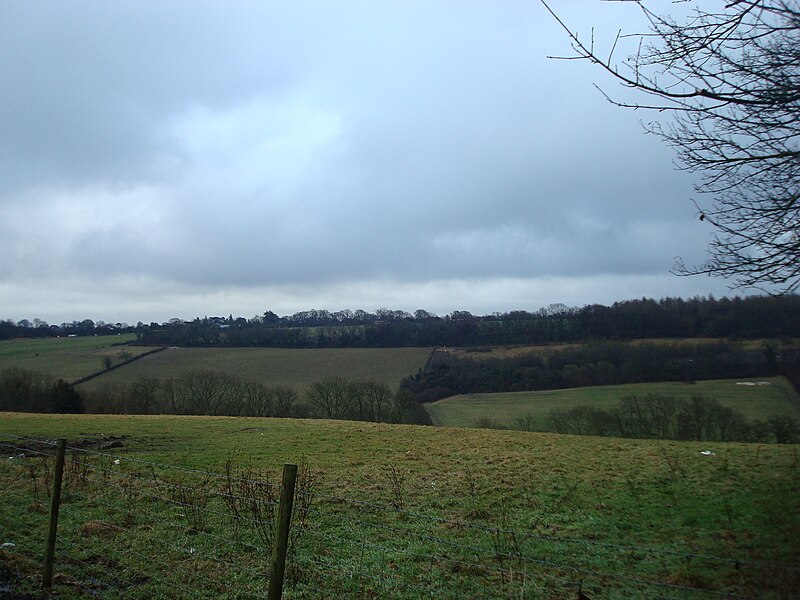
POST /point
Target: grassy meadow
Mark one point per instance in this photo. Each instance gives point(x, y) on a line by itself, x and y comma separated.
point(297, 368)
point(66, 358)
point(411, 512)
point(754, 401)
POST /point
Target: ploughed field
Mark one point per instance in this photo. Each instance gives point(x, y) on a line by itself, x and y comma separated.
point(397, 511)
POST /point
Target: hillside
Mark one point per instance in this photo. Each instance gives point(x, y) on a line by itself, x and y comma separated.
point(405, 511)
point(775, 396)
point(66, 358)
point(297, 368)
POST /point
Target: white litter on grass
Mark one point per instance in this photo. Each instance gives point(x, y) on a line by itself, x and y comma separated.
point(752, 383)
point(116, 462)
point(9, 545)
point(706, 453)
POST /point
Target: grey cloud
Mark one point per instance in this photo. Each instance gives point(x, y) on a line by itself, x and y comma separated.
point(85, 85)
point(207, 146)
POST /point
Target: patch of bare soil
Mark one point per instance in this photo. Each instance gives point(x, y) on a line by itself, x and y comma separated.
point(101, 443)
point(9, 584)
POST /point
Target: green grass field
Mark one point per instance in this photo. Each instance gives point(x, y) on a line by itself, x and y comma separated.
point(66, 358)
point(485, 514)
point(297, 368)
point(755, 402)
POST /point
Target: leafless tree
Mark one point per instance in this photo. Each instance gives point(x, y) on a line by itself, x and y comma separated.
point(284, 401)
point(728, 73)
point(329, 397)
point(205, 392)
point(257, 399)
point(143, 396)
point(377, 399)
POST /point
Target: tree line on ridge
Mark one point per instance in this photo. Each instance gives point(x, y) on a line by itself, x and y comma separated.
point(747, 317)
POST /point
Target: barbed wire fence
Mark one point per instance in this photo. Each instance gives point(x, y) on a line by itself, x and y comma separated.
point(141, 529)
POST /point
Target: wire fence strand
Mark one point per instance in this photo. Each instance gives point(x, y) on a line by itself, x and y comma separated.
point(198, 518)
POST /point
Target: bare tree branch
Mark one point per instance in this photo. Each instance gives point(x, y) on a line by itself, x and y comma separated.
point(729, 78)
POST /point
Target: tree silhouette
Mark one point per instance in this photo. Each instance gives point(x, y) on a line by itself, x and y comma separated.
point(730, 79)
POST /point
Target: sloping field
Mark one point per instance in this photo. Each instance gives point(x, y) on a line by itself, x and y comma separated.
point(405, 512)
point(756, 399)
point(297, 368)
point(502, 352)
point(66, 358)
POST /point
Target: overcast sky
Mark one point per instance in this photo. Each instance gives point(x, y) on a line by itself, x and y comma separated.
point(176, 159)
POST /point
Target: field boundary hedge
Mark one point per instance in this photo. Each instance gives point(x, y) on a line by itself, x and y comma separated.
point(123, 363)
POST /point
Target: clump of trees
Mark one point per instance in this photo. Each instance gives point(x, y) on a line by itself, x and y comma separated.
point(598, 363)
point(213, 393)
point(199, 392)
point(206, 392)
point(338, 398)
point(25, 391)
point(655, 416)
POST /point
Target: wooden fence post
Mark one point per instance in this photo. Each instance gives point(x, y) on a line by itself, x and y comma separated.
point(55, 503)
point(280, 543)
